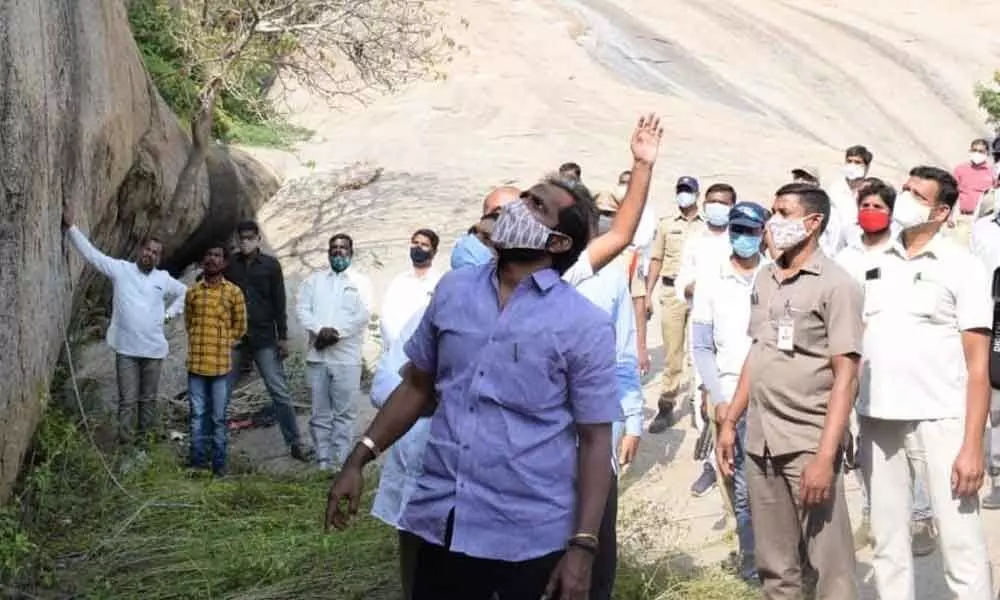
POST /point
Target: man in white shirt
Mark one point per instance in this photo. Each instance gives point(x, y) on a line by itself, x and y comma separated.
point(333, 307)
point(139, 309)
point(720, 318)
point(985, 245)
point(862, 254)
point(411, 290)
point(843, 204)
point(705, 253)
point(928, 318)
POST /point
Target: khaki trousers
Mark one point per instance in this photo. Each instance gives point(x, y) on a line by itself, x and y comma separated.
point(783, 526)
point(930, 448)
point(674, 324)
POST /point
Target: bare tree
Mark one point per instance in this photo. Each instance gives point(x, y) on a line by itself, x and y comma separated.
point(332, 47)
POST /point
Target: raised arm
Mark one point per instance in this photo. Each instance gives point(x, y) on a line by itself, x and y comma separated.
point(645, 145)
point(108, 266)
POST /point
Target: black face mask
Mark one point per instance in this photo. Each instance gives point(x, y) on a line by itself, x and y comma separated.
point(419, 256)
point(519, 255)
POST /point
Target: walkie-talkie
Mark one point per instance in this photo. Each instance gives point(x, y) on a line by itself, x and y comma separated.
point(995, 337)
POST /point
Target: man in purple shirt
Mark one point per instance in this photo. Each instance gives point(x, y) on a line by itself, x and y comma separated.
point(518, 370)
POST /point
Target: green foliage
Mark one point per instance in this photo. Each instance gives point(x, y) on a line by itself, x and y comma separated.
point(180, 535)
point(988, 95)
point(242, 112)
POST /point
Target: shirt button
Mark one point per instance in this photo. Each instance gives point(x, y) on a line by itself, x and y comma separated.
point(481, 373)
point(472, 409)
point(465, 447)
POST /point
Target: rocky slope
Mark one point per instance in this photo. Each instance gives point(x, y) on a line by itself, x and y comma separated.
point(81, 125)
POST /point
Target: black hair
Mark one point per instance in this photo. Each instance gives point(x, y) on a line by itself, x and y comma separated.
point(571, 169)
point(812, 198)
point(624, 173)
point(250, 226)
point(221, 245)
point(342, 236)
point(723, 188)
point(150, 237)
point(575, 221)
point(947, 185)
point(861, 152)
point(429, 234)
point(873, 186)
point(980, 141)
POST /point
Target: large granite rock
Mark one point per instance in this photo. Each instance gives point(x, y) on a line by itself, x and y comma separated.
point(81, 124)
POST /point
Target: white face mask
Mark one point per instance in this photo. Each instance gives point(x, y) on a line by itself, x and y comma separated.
point(910, 212)
point(853, 171)
point(686, 199)
point(977, 158)
point(717, 214)
point(786, 233)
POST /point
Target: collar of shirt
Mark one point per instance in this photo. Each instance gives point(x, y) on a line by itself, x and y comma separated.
point(932, 249)
point(681, 217)
point(728, 270)
point(543, 280)
point(813, 266)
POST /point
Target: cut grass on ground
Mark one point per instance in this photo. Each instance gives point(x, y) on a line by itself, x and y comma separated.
point(72, 532)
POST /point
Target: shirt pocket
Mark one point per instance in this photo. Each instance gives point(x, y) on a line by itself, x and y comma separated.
point(810, 335)
point(876, 297)
point(925, 299)
point(528, 374)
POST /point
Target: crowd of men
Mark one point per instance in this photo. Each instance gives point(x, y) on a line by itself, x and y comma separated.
point(842, 325)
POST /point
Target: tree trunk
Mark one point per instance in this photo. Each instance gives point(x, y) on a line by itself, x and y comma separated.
point(201, 137)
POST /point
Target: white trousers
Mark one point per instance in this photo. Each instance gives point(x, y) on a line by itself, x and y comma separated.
point(334, 409)
point(930, 448)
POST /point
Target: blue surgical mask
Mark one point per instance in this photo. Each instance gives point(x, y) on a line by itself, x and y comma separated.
point(469, 251)
point(744, 244)
point(339, 263)
point(717, 214)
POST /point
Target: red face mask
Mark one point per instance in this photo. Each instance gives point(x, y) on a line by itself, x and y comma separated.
point(873, 220)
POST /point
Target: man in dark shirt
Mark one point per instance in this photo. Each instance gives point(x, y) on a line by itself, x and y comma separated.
point(259, 276)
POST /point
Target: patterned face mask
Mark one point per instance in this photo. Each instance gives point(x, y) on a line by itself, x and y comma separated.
point(517, 227)
point(786, 233)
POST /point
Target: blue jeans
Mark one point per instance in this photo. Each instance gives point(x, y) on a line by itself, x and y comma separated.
point(741, 503)
point(208, 398)
point(272, 371)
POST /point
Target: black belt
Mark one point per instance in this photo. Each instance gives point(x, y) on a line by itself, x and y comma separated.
point(668, 281)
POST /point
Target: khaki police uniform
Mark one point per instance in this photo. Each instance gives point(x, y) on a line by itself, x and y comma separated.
point(789, 396)
point(671, 233)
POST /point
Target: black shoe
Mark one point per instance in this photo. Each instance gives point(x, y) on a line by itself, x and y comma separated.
point(663, 419)
point(302, 453)
point(705, 482)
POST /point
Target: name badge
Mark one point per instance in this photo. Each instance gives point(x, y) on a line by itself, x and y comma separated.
point(786, 334)
point(786, 330)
